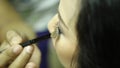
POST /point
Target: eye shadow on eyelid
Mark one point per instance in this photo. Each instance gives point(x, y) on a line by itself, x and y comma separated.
point(41, 38)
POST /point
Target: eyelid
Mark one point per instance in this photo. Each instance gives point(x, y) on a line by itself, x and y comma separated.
point(61, 20)
point(61, 27)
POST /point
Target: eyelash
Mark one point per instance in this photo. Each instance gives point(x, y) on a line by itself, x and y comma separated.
point(57, 28)
point(57, 32)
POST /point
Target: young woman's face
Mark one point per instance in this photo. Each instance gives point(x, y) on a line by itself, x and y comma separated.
point(62, 27)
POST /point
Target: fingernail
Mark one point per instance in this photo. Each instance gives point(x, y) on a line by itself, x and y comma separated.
point(29, 49)
point(10, 34)
point(13, 37)
point(16, 39)
point(17, 49)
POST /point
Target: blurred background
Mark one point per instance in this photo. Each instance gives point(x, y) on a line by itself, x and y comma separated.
point(37, 14)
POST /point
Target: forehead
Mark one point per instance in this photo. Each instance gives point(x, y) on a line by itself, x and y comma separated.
point(69, 9)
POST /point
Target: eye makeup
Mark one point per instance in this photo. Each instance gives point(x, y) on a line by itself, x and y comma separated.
point(41, 38)
point(56, 32)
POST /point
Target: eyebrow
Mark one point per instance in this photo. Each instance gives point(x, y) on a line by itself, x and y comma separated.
point(61, 19)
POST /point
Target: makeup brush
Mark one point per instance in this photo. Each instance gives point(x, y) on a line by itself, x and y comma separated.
point(41, 38)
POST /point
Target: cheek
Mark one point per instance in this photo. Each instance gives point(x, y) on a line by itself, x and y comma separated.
point(65, 50)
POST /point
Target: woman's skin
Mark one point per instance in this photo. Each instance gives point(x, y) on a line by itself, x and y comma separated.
point(15, 56)
point(65, 42)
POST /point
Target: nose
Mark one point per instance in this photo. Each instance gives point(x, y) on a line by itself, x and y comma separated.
point(52, 24)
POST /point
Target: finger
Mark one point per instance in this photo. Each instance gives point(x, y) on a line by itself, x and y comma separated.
point(13, 37)
point(36, 55)
point(4, 46)
point(23, 58)
point(31, 65)
point(9, 54)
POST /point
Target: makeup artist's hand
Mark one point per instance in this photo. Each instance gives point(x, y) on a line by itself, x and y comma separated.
point(14, 56)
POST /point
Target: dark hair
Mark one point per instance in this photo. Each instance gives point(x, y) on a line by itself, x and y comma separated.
point(99, 34)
